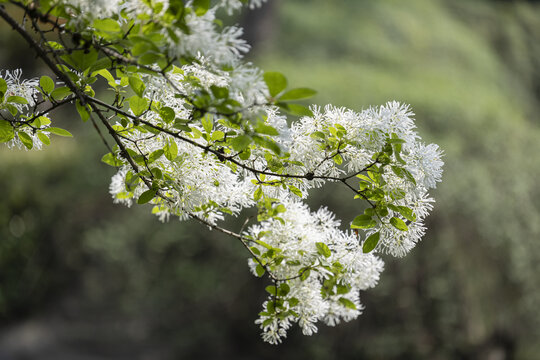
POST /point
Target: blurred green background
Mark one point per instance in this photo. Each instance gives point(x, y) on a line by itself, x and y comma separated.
point(81, 278)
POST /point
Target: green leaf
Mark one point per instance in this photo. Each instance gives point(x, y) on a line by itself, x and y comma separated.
point(171, 150)
point(218, 135)
point(241, 142)
point(399, 224)
point(268, 144)
point(41, 121)
point(293, 302)
point(284, 289)
point(323, 249)
point(138, 105)
point(338, 159)
point(111, 160)
point(262, 128)
point(149, 57)
point(371, 242)
point(60, 93)
point(47, 84)
point(44, 138)
point(304, 273)
point(363, 222)
point(6, 131)
point(347, 303)
point(271, 289)
point(26, 140)
point(59, 132)
point(296, 191)
point(259, 270)
point(342, 289)
point(318, 134)
point(295, 109)
point(137, 85)
point(207, 122)
point(17, 100)
point(406, 212)
point(167, 114)
point(107, 76)
point(219, 92)
point(146, 196)
point(12, 109)
point(201, 6)
point(81, 59)
point(403, 173)
point(257, 194)
point(275, 81)
point(100, 64)
point(107, 25)
point(155, 155)
point(297, 94)
point(3, 88)
point(83, 112)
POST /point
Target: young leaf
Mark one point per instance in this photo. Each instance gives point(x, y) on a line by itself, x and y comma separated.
point(297, 94)
point(219, 92)
point(17, 100)
point(257, 194)
point(138, 105)
point(399, 224)
point(296, 191)
point(146, 196)
point(407, 213)
point(259, 270)
point(59, 131)
point(241, 142)
point(284, 289)
point(155, 155)
point(295, 109)
point(304, 273)
point(262, 128)
point(26, 140)
point(6, 131)
point(363, 222)
point(347, 303)
point(3, 87)
point(107, 25)
point(82, 110)
point(323, 249)
point(47, 84)
point(44, 138)
point(171, 150)
point(218, 135)
point(271, 289)
point(207, 123)
point(110, 159)
point(201, 6)
point(167, 114)
point(60, 93)
point(275, 81)
point(137, 85)
point(371, 242)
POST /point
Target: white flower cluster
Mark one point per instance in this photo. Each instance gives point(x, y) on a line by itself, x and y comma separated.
point(298, 235)
point(206, 186)
point(26, 90)
point(223, 46)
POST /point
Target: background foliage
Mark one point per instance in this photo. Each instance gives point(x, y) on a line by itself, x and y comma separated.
point(82, 278)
